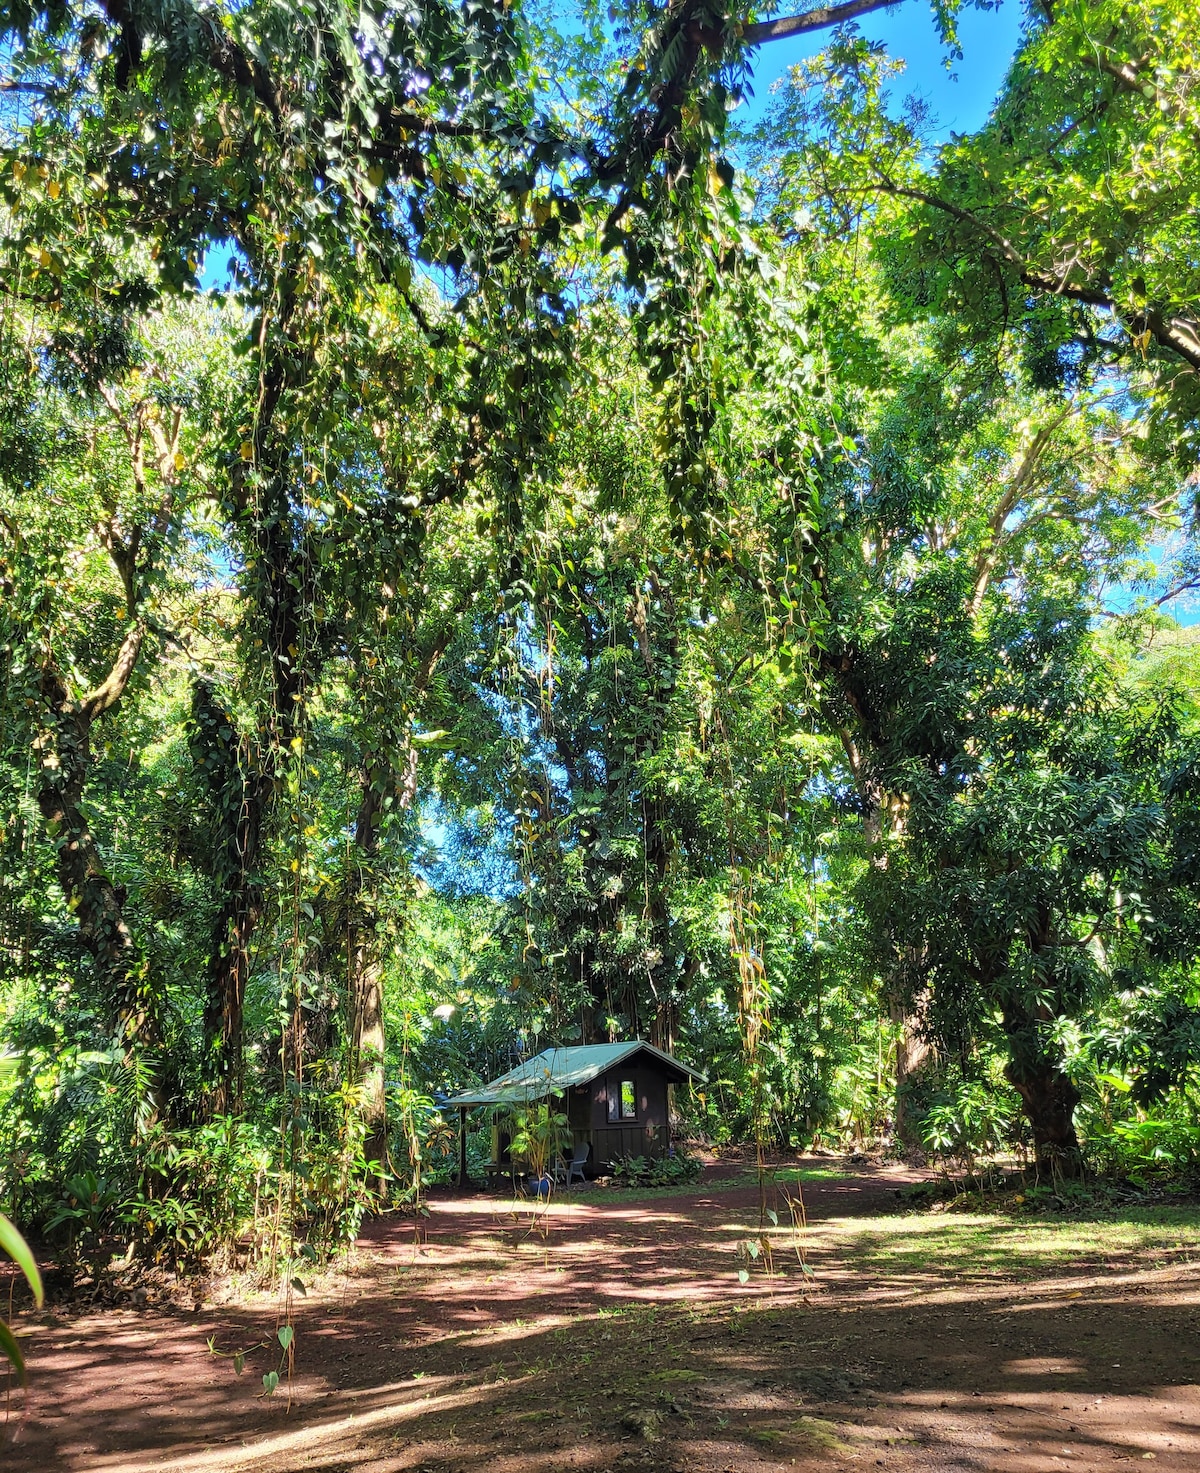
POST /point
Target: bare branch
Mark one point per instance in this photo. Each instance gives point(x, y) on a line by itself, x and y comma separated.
point(985, 563)
point(811, 20)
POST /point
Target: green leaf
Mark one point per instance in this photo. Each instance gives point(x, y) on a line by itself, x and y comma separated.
point(1115, 1081)
point(774, 1216)
point(270, 1381)
point(743, 1276)
point(285, 1335)
point(12, 1243)
point(10, 1348)
point(298, 1285)
point(239, 1362)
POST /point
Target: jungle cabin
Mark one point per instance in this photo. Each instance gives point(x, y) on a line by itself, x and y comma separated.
point(614, 1095)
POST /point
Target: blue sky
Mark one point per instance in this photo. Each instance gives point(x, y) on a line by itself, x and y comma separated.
point(960, 98)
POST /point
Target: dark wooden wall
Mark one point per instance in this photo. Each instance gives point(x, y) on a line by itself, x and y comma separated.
point(647, 1135)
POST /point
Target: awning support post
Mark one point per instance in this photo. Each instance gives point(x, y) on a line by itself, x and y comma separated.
point(462, 1146)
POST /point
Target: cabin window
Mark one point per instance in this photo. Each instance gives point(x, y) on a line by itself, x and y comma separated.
point(622, 1099)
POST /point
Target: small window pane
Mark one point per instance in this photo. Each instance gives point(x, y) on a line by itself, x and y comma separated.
point(628, 1100)
point(614, 1100)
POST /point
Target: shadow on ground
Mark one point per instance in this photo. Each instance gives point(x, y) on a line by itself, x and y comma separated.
point(616, 1336)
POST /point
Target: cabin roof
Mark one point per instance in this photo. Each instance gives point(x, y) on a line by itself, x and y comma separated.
point(557, 1069)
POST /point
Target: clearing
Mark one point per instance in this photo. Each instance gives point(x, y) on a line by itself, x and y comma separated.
point(616, 1335)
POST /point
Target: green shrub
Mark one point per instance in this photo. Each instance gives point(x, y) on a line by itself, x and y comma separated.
point(655, 1171)
point(84, 1214)
point(334, 1172)
point(1153, 1143)
point(539, 1134)
point(973, 1118)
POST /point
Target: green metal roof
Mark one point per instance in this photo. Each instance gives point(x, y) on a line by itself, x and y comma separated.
point(557, 1069)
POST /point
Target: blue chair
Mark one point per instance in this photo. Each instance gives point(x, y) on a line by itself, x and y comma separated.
point(575, 1165)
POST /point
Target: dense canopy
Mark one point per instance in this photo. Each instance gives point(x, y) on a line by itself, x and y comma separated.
point(504, 547)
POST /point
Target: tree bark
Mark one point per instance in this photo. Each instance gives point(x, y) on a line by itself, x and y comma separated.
point(1047, 1096)
point(224, 1013)
point(1049, 1099)
point(364, 959)
point(365, 980)
point(239, 791)
point(64, 756)
point(247, 777)
point(911, 1052)
point(886, 814)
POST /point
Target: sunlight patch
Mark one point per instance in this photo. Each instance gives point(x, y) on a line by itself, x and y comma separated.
point(1055, 1365)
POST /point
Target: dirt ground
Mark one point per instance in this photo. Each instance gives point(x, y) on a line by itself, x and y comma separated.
point(617, 1336)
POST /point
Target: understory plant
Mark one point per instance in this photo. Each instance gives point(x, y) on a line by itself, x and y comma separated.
point(969, 1119)
point(334, 1172)
point(678, 1169)
point(541, 1133)
point(425, 1142)
point(1125, 1139)
point(15, 1247)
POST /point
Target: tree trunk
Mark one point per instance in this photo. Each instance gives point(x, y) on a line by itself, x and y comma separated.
point(365, 975)
point(911, 1052)
point(886, 816)
point(64, 755)
point(1047, 1095)
point(1049, 1099)
point(393, 777)
point(229, 968)
point(369, 1044)
point(238, 792)
point(665, 1027)
point(246, 778)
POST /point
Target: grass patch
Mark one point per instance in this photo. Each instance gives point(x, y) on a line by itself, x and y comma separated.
point(805, 1435)
point(985, 1245)
point(818, 1434)
point(790, 1175)
point(787, 1176)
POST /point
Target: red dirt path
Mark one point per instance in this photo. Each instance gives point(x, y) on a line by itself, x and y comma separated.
point(624, 1340)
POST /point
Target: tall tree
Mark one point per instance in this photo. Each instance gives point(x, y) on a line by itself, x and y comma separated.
point(107, 419)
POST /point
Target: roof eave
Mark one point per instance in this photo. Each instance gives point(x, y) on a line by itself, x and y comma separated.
point(537, 1086)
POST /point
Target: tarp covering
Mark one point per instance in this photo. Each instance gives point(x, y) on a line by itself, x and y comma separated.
point(557, 1069)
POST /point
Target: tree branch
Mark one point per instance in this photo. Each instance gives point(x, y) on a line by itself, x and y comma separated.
point(106, 695)
point(811, 20)
point(985, 563)
point(1178, 333)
